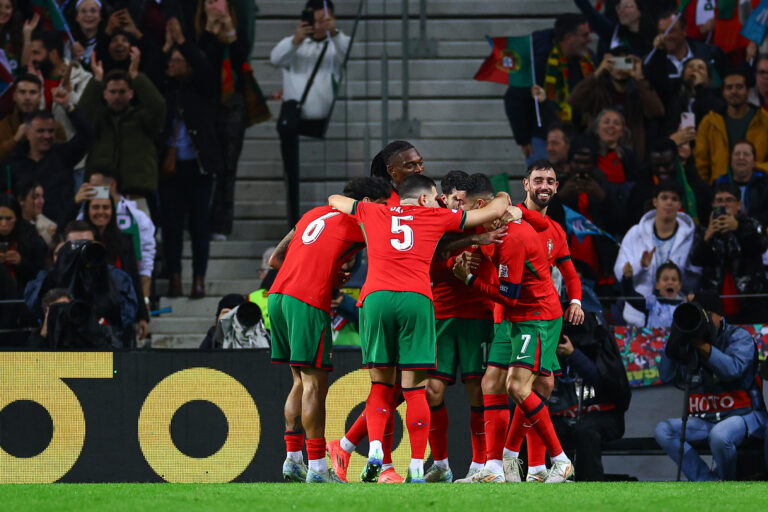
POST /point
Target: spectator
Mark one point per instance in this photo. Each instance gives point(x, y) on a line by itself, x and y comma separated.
point(696, 96)
point(99, 214)
point(39, 337)
point(758, 95)
point(267, 276)
point(561, 61)
point(50, 163)
point(22, 251)
point(591, 365)
point(558, 144)
point(121, 35)
point(615, 156)
point(27, 96)
point(631, 29)
point(85, 29)
point(626, 91)
point(125, 131)
point(730, 252)
point(665, 165)
point(131, 221)
point(226, 304)
point(112, 294)
point(190, 93)
point(721, 25)
point(718, 133)
point(726, 402)
point(658, 307)
point(297, 55)
point(664, 234)
point(11, 33)
point(752, 183)
point(31, 198)
point(13, 316)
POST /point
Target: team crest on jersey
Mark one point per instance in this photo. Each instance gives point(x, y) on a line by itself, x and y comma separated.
point(453, 210)
point(503, 271)
point(550, 246)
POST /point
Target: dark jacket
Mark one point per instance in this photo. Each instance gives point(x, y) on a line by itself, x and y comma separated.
point(194, 101)
point(125, 143)
point(755, 196)
point(127, 254)
point(213, 49)
point(32, 249)
point(638, 43)
point(55, 170)
point(704, 100)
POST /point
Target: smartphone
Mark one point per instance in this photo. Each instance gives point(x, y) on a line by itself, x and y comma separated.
point(308, 16)
point(100, 192)
point(718, 211)
point(687, 120)
point(623, 63)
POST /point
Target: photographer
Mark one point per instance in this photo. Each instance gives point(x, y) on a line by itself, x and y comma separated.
point(725, 403)
point(589, 399)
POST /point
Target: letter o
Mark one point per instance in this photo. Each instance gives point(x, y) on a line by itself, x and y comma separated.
point(726, 402)
point(185, 386)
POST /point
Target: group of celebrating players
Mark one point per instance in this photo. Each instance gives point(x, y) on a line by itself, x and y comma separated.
point(460, 280)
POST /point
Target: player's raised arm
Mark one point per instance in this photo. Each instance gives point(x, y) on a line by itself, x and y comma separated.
point(342, 203)
point(496, 209)
point(278, 255)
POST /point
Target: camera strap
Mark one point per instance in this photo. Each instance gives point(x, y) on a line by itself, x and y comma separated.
point(312, 76)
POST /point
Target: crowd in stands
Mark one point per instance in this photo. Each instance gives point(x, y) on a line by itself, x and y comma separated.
point(124, 122)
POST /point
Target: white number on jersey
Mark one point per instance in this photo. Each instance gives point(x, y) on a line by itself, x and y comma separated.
point(312, 233)
point(406, 230)
point(526, 341)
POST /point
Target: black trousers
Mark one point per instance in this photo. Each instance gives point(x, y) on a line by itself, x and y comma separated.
point(230, 127)
point(289, 147)
point(583, 441)
point(186, 193)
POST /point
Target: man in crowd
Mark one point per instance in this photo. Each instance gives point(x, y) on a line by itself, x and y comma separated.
point(128, 113)
point(718, 133)
point(726, 402)
point(559, 138)
point(297, 56)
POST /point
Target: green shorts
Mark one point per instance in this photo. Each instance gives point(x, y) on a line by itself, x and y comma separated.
point(398, 329)
point(461, 343)
point(301, 334)
point(500, 350)
point(532, 344)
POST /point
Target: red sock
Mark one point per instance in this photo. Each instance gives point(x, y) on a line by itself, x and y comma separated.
point(294, 441)
point(417, 420)
point(477, 431)
point(517, 430)
point(537, 450)
point(537, 413)
point(438, 431)
point(316, 448)
point(378, 410)
point(358, 430)
point(496, 415)
point(389, 432)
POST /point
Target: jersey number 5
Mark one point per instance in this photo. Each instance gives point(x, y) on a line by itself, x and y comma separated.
point(407, 232)
point(312, 233)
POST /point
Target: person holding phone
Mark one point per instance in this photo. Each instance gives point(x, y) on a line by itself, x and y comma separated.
point(752, 182)
point(296, 55)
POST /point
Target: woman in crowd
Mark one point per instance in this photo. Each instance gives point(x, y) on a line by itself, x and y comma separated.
point(31, 198)
point(615, 157)
point(191, 143)
point(11, 33)
point(696, 96)
point(85, 29)
point(227, 52)
point(633, 29)
point(121, 253)
point(22, 251)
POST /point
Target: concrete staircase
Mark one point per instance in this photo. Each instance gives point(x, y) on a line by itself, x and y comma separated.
point(463, 126)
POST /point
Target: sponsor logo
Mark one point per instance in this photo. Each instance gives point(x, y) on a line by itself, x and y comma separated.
point(503, 271)
point(550, 246)
point(522, 357)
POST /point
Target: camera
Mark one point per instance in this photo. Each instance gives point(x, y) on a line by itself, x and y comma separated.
point(308, 16)
point(689, 322)
point(89, 253)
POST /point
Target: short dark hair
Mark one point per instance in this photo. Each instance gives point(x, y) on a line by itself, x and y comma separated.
point(582, 144)
point(661, 145)
point(319, 4)
point(77, 226)
point(541, 164)
point(37, 114)
point(24, 186)
point(383, 157)
point(454, 180)
point(748, 143)
point(668, 266)
point(29, 77)
point(117, 75)
point(414, 185)
point(479, 185)
point(51, 41)
point(668, 186)
point(53, 295)
point(568, 130)
point(735, 72)
point(729, 188)
point(672, 11)
point(371, 187)
point(567, 24)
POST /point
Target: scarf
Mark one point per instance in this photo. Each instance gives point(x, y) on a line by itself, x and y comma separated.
point(227, 78)
point(725, 8)
point(689, 198)
point(556, 79)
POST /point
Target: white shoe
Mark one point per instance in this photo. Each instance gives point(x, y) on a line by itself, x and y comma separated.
point(539, 477)
point(560, 472)
point(219, 237)
point(512, 469)
point(482, 476)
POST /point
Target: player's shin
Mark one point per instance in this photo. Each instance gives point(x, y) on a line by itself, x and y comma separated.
point(417, 421)
point(496, 421)
point(438, 434)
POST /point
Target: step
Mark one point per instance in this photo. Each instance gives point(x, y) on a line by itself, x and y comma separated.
point(184, 307)
point(177, 341)
point(173, 324)
point(214, 287)
point(372, 49)
point(231, 268)
point(234, 248)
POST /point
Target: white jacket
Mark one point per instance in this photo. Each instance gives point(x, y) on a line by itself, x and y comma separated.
point(297, 63)
point(78, 79)
point(639, 238)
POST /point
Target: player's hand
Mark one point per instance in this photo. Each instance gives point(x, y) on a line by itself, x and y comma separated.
point(504, 195)
point(565, 348)
point(647, 258)
point(341, 279)
point(628, 271)
point(512, 214)
point(461, 269)
point(574, 314)
point(471, 260)
point(492, 237)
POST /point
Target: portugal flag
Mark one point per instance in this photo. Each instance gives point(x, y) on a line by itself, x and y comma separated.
point(509, 63)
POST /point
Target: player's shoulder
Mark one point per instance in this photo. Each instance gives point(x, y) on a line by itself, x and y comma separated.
point(555, 226)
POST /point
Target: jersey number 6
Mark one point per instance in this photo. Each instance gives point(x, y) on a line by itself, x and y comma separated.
point(407, 232)
point(313, 230)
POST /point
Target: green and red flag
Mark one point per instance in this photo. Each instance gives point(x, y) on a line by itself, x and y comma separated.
point(510, 62)
point(51, 17)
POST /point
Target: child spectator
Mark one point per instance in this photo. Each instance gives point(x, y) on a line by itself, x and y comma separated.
point(659, 306)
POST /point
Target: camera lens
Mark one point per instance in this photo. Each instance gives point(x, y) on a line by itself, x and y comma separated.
point(248, 314)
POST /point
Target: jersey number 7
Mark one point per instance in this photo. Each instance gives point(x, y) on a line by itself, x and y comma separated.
point(398, 227)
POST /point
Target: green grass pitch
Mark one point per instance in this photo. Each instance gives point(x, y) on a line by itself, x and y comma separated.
point(590, 497)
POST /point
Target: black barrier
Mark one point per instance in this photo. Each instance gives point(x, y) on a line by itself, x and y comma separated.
point(176, 416)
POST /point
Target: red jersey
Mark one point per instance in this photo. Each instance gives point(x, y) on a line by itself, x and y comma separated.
point(451, 297)
point(393, 199)
point(401, 243)
point(324, 239)
point(525, 287)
